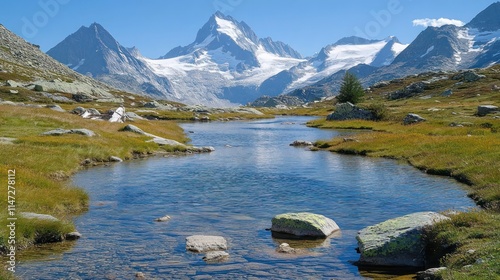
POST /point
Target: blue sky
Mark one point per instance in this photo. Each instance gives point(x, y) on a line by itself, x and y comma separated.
point(156, 26)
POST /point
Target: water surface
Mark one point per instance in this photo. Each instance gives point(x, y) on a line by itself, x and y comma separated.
point(235, 191)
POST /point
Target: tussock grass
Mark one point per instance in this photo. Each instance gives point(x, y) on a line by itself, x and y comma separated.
point(44, 163)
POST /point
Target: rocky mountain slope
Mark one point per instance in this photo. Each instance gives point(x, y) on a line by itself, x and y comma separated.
point(92, 51)
point(22, 61)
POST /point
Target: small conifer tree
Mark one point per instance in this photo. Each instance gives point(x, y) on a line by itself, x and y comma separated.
point(351, 89)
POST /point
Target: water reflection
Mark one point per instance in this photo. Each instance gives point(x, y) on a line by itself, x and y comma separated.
point(235, 192)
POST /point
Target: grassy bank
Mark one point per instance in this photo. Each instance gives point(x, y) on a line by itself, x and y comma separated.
point(453, 141)
point(44, 164)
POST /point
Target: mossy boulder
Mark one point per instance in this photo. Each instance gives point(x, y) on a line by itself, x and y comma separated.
point(396, 242)
point(303, 225)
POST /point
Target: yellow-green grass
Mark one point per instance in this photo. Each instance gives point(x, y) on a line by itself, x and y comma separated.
point(44, 163)
point(468, 152)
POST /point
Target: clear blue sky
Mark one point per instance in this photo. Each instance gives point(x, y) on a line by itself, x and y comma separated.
point(156, 26)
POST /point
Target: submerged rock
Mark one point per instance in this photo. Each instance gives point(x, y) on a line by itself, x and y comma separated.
point(303, 225)
point(205, 243)
point(301, 143)
point(285, 248)
point(396, 242)
point(163, 219)
point(216, 257)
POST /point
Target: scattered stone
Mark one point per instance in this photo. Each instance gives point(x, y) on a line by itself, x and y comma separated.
point(301, 143)
point(118, 115)
point(381, 84)
point(83, 131)
point(133, 128)
point(396, 242)
point(495, 88)
point(447, 93)
point(348, 111)
point(11, 83)
point(163, 219)
point(285, 248)
point(483, 110)
point(165, 142)
point(205, 243)
point(60, 131)
point(31, 215)
point(94, 112)
point(82, 97)
point(152, 104)
point(468, 76)
point(430, 274)
point(56, 107)
point(216, 257)
point(115, 159)
point(412, 118)
point(471, 251)
point(73, 235)
point(350, 140)
point(7, 140)
point(86, 161)
point(11, 91)
point(205, 119)
point(409, 91)
point(304, 225)
point(79, 111)
point(133, 116)
point(38, 88)
point(140, 275)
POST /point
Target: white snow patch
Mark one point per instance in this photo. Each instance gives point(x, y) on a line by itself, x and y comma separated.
point(80, 63)
point(430, 49)
point(229, 28)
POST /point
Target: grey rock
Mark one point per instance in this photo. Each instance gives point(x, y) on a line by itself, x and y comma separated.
point(7, 140)
point(38, 88)
point(140, 275)
point(412, 118)
point(483, 110)
point(348, 111)
point(447, 93)
point(8, 103)
point(79, 111)
point(11, 83)
point(73, 235)
point(133, 116)
point(468, 76)
point(45, 217)
point(56, 107)
point(301, 143)
point(430, 274)
point(216, 257)
point(94, 112)
point(83, 131)
point(133, 128)
point(82, 97)
point(165, 142)
point(153, 104)
point(115, 159)
point(396, 242)
point(304, 225)
point(11, 91)
point(57, 132)
point(205, 243)
point(110, 100)
point(163, 219)
point(381, 84)
point(411, 90)
point(60, 131)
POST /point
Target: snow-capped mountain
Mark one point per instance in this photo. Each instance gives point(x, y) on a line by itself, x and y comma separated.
point(94, 52)
point(449, 47)
point(226, 61)
point(344, 54)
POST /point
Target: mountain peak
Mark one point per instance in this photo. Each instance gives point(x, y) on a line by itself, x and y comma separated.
point(488, 19)
point(354, 40)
